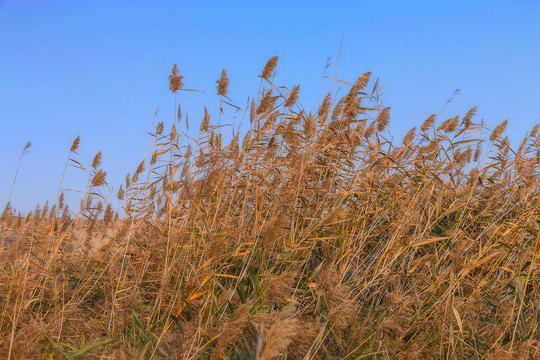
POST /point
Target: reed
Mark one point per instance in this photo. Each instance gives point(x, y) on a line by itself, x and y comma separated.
point(313, 236)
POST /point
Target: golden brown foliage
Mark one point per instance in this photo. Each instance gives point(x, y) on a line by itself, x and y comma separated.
point(311, 239)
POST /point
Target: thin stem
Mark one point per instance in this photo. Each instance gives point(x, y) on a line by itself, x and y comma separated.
point(337, 64)
point(62, 179)
point(219, 118)
point(17, 171)
point(15, 178)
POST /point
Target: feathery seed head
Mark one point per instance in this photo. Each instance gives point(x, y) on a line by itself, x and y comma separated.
point(159, 128)
point(108, 216)
point(452, 125)
point(428, 122)
point(462, 157)
point(140, 168)
point(269, 68)
point(360, 128)
point(97, 160)
point(449, 125)
point(7, 212)
point(309, 126)
point(121, 193)
point(234, 150)
point(99, 178)
point(173, 132)
point(467, 119)
point(293, 97)
point(217, 144)
point(252, 111)
point(267, 103)
point(271, 121)
point(369, 131)
point(338, 109)
point(324, 109)
point(211, 138)
point(26, 147)
point(409, 136)
point(99, 207)
point(362, 81)
point(467, 155)
point(206, 121)
point(534, 131)
point(477, 152)
point(246, 142)
point(185, 170)
point(279, 337)
point(383, 118)
point(75, 144)
point(45, 209)
point(431, 147)
point(52, 213)
point(498, 130)
point(61, 200)
point(175, 80)
point(223, 83)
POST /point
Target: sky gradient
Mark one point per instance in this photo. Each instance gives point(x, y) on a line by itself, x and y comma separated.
point(99, 69)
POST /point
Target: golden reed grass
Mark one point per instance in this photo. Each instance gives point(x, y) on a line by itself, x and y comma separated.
point(312, 237)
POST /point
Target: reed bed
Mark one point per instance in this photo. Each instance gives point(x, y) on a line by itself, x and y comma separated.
point(313, 236)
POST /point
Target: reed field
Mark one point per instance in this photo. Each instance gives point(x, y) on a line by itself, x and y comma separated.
point(316, 235)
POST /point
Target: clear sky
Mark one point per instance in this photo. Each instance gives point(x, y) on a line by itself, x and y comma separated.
point(99, 69)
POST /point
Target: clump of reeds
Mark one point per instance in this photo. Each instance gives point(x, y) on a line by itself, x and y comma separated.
point(313, 237)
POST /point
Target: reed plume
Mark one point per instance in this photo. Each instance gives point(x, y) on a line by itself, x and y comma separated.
point(428, 122)
point(269, 68)
point(99, 178)
point(383, 118)
point(498, 131)
point(205, 121)
point(223, 84)
point(175, 80)
point(293, 97)
point(97, 160)
point(467, 119)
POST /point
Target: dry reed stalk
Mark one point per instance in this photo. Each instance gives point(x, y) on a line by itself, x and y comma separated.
point(72, 149)
point(23, 152)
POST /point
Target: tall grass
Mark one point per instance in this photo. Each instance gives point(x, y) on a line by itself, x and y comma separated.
point(313, 237)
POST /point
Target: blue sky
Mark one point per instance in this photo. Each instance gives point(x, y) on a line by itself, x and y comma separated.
point(99, 69)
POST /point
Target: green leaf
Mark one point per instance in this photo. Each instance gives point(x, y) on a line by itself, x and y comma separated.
point(88, 348)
